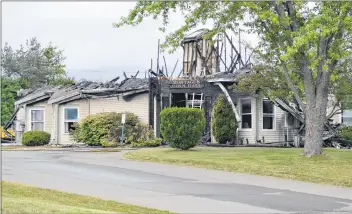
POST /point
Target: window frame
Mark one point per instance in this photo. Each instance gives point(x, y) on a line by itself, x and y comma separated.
point(240, 110)
point(68, 121)
point(273, 115)
point(37, 108)
point(342, 117)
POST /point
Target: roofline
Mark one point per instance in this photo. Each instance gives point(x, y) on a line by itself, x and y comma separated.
point(56, 100)
point(28, 100)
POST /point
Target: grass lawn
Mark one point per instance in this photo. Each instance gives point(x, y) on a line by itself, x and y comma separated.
point(334, 167)
point(17, 198)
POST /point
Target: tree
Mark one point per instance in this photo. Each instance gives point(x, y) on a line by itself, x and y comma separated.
point(35, 64)
point(305, 41)
point(224, 121)
point(9, 86)
point(31, 66)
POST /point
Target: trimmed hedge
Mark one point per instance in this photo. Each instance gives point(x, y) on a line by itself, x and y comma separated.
point(346, 132)
point(182, 128)
point(35, 138)
point(223, 121)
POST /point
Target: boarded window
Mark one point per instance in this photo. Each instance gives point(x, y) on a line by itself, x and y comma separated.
point(347, 117)
point(246, 113)
point(70, 117)
point(37, 120)
point(268, 114)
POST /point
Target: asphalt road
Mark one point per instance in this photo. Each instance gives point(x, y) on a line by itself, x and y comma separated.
point(174, 188)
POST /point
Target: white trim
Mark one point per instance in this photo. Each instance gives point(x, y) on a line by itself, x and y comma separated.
point(63, 116)
point(274, 115)
point(240, 111)
point(35, 108)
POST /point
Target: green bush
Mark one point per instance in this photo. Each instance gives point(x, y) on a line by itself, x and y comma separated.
point(140, 133)
point(346, 132)
point(35, 138)
point(223, 121)
point(182, 128)
point(149, 143)
point(75, 133)
point(94, 128)
point(107, 143)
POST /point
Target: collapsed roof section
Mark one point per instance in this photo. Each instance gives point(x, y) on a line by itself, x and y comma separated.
point(84, 89)
point(195, 36)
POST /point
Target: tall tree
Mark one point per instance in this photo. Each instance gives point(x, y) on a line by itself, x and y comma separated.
point(305, 41)
point(31, 66)
point(34, 64)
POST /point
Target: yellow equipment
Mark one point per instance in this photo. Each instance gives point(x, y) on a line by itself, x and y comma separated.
point(7, 134)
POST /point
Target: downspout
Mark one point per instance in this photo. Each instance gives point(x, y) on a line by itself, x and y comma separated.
point(57, 123)
point(88, 106)
point(256, 119)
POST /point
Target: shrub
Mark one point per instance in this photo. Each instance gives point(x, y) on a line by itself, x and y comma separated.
point(182, 128)
point(346, 132)
point(75, 133)
point(107, 143)
point(223, 121)
point(35, 138)
point(149, 143)
point(100, 126)
point(140, 133)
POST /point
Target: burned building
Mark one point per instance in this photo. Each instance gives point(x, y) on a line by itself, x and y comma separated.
point(204, 76)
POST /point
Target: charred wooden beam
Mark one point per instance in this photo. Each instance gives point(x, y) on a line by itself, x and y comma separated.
point(157, 60)
point(203, 59)
point(152, 72)
point(167, 74)
point(174, 68)
point(234, 48)
point(135, 75)
point(221, 61)
point(115, 79)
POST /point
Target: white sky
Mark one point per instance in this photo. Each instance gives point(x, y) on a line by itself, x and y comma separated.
point(93, 48)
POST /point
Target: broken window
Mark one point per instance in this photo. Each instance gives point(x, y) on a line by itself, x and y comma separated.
point(246, 113)
point(268, 114)
point(37, 120)
point(70, 118)
point(347, 117)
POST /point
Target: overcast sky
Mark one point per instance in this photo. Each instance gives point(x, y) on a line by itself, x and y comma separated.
point(94, 49)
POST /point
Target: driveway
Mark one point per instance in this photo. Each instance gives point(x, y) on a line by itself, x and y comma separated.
point(175, 188)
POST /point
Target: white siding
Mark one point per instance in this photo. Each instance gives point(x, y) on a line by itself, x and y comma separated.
point(278, 133)
point(248, 133)
point(275, 135)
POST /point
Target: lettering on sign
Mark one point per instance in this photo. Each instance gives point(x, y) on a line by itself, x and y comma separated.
point(123, 118)
point(186, 84)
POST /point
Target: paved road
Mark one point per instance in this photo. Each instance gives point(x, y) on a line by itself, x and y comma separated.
point(174, 188)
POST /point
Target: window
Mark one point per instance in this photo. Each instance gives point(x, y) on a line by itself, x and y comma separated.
point(246, 113)
point(347, 117)
point(37, 120)
point(70, 117)
point(268, 114)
